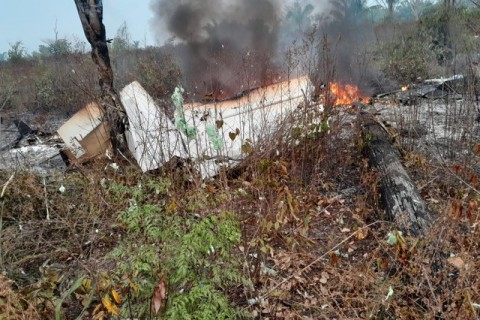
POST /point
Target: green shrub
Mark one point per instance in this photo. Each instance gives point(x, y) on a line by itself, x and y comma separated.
point(408, 57)
point(16, 53)
point(193, 255)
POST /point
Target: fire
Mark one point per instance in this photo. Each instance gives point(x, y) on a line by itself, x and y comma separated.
point(405, 88)
point(344, 94)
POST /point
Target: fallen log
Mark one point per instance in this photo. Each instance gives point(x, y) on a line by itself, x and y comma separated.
point(399, 194)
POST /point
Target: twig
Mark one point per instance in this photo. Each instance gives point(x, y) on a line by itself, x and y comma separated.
point(7, 97)
point(1, 234)
point(476, 3)
point(6, 185)
point(430, 286)
point(125, 157)
point(319, 258)
point(450, 171)
point(31, 257)
point(46, 198)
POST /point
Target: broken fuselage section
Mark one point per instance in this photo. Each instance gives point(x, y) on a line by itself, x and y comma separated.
point(210, 135)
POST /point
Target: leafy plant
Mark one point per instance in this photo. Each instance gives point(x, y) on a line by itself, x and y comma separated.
point(17, 52)
point(408, 57)
point(192, 255)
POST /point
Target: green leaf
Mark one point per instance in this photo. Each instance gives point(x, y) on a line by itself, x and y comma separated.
point(392, 239)
point(58, 308)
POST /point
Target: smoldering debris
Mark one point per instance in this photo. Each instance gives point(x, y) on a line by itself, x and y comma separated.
point(451, 87)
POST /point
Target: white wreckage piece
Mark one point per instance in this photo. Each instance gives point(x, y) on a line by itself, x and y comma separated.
point(151, 137)
point(85, 134)
point(227, 130)
point(210, 135)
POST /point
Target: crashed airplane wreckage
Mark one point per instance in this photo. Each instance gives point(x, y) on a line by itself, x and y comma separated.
point(211, 135)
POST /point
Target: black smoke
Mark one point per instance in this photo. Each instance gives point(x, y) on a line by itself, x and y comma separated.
point(225, 45)
point(349, 31)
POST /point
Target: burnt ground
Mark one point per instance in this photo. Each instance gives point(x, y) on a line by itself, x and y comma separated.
point(29, 141)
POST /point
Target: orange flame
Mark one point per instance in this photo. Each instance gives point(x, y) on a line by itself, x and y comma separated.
point(405, 88)
point(344, 94)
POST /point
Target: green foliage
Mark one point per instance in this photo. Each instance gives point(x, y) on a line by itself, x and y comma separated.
point(158, 72)
point(45, 89)
point(202, 302)
point(194, 255)
point(54, 48)
point(17, 52)
point(122, 41)
point(54, 86)
point(201, 263)
point(412, 10)
point(300, 16)
point(349, 9)
point(448, 29)
point(408, 57)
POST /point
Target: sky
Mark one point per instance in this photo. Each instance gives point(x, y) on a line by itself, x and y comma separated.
point(34, 21)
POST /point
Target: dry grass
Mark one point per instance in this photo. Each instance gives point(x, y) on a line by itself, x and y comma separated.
point(314, 235)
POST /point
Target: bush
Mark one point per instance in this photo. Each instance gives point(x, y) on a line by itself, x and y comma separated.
point(156, 70)
point(408, 57)
point(194, 256)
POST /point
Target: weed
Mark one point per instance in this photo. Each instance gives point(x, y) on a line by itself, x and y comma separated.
point(193, 255)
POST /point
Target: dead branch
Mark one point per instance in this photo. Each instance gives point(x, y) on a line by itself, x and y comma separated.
point(399, 194)
point(6, 185)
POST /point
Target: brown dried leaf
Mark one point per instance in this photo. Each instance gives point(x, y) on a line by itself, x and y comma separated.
point(457, 262)
point(232, 135)
point(362, 233)
point(325, 275)
point(324, 290)
point(96, 310)
point(159, 296)
point(133, 286)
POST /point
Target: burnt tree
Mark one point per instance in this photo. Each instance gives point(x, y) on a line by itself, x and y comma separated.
point(91, 17)
point(399, 194)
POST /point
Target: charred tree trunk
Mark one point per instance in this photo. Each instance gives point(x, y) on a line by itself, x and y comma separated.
point(91, 16)
point(399, 194)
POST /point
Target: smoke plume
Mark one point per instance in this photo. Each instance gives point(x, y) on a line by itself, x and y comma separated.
point(221, 44)
point(226, 46)
point(351, 37)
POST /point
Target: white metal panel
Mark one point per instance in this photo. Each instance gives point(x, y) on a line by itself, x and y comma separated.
point(79, 126)
point(253, 116)
point(152, 137)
